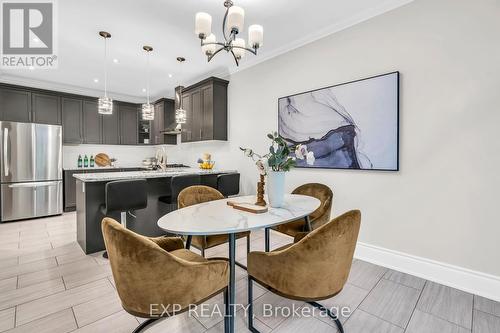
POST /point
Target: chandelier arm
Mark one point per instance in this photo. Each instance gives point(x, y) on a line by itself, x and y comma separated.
point(224, 24)
point(214, 43)
point(213, 54)
point(254, 51)
point(235, 58)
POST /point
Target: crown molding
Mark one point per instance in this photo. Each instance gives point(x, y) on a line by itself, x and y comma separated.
point(319, 34)
point(65, 88)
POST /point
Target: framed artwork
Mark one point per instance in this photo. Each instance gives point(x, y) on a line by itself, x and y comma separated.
point(353, 125)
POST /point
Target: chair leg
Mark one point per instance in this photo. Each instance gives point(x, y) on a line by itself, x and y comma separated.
point(248, 244)
point(203, 252)
point(188, 241)
point(145, 324)
point(105, 255)
point(330, 314)
point(250, 306)
point(266, 239)
point(226, 310)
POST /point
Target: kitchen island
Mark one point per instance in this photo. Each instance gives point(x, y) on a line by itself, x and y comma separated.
point(90, 193)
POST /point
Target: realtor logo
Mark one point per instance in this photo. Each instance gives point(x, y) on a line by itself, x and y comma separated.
point(28, 34)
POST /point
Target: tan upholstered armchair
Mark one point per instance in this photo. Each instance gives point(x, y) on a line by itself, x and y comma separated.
point(154, 274)
point(314, 268)
point(197, 194)
point(317, 218)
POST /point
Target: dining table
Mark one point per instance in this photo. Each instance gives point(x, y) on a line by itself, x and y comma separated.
point(217, 217)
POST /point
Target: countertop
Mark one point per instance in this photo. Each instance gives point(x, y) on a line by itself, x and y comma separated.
point(103, 168)
point(108, 176)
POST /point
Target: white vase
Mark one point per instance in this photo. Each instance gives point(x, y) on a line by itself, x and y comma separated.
point(276, 188)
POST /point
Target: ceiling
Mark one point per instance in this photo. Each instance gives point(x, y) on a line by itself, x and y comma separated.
point(168, 26)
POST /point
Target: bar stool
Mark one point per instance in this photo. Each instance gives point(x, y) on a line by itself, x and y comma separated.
point(177, 184)
point(124, 196)
point(228, 184)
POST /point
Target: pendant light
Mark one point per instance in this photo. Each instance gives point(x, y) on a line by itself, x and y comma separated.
point(148, 110)
point(105, 104)
point(180, 113)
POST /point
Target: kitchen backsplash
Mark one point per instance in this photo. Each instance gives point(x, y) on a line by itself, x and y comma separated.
point(126, 156)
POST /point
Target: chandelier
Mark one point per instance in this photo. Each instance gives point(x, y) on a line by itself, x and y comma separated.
point(105, 104)
point(147, 109)
point(180, 113)
point(232, 25)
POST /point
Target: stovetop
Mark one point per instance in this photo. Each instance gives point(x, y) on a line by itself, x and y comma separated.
point(176, 165)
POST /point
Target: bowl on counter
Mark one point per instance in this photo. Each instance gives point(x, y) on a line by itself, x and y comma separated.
point(206, 165)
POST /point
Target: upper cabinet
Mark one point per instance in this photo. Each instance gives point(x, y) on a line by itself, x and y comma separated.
point(15, 105)
point(206, 108)
point(72, 120)
point(46, 108)
point(129, 123)
point(111, 127)
point(92, 122)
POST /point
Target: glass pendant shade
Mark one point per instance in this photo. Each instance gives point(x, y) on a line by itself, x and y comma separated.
point(180, 116)
point(238, 51)
point(148, 111)
point(235, 18)
point(255, 35)
point(203, 24)
point(210, 48)
point(105, 105)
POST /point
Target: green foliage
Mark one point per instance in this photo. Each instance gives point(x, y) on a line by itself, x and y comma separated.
point(279, 158)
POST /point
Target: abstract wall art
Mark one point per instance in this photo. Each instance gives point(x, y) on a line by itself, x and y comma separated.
point(353, 125)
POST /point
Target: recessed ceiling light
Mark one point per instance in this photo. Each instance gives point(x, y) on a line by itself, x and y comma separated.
point(143, 89)
point(170, 75)
point(115, 60)
point(96, 80)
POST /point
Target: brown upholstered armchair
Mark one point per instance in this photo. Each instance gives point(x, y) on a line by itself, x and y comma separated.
point(317, 218)
point(153, 275)
point(197, 194)
point(314, 268)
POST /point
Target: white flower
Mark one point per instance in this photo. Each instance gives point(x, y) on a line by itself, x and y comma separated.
point(301, 152)
point(310, 158)
point(261, 167)
point(248, 152)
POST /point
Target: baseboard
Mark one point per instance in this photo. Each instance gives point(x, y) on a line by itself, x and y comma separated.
point(467, 280)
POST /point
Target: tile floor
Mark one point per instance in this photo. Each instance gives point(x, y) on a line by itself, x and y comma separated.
point(47, 284)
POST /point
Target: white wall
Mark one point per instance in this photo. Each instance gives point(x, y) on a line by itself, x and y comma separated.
point(442, 204)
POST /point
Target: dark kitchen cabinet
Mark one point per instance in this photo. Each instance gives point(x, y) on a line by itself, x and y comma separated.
point(158, 124)
point(92, 122)
point(15, 105)
point(129, 123)
point(46, 108)
point(206, 108)
point(111, 127)
point(72, 120)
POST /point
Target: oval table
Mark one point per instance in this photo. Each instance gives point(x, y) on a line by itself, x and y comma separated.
point(217, 217)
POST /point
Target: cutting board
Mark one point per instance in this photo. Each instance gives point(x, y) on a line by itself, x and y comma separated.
point(102, 160)
point(247, 207)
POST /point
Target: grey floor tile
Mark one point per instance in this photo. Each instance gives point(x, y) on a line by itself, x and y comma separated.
point(485, 323)
point(365, 275)
point(392, 302)
point(8, 284)
point(447, 303)
point(422, 322)
point(120, 322)
point(272, 309)
point(304, 324)
point(177, 324)
point(7, 319)
point(345, 303)
point(405, 279)
point(487, 305)
point(96, 309)
point(59, 322)
point(240, 325)
point(22, 295)
point(362, 322)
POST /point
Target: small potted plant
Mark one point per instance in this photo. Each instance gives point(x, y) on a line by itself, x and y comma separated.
point(276, 163)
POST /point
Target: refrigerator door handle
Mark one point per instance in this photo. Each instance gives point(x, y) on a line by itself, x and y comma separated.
point(5, 154)
point(34, 185)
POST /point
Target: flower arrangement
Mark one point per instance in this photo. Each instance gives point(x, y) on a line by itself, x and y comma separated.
point(278, 158)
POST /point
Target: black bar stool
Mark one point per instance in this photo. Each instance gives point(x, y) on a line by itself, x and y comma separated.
point(228, 184)
point(124, 196)
point(177, 184)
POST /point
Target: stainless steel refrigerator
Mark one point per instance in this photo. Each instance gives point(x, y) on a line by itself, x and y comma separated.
point(31, 170)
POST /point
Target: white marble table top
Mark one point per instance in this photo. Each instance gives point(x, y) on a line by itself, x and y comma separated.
point(107, 176)
point(216, 217)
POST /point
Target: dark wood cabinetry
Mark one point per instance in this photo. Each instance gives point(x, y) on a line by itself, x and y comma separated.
point(111, 127)
point(15, 105)
point(72, 120)
point(92, 123)
point(129, 123)
point(206, 109)
point(46, 108)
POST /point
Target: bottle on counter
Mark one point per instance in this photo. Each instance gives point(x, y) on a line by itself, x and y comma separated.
point(91, 161)
point(85, 162)
point(80, 161)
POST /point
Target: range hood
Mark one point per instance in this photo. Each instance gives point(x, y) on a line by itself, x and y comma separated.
point(172, 129)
